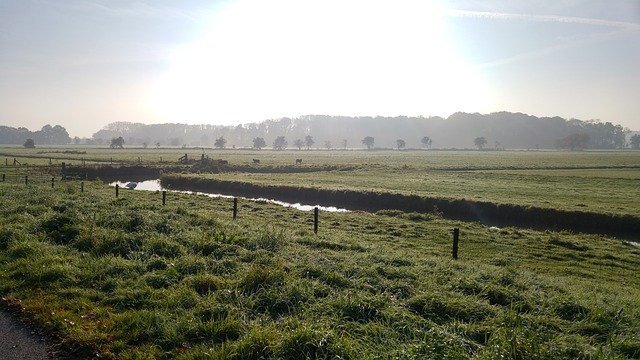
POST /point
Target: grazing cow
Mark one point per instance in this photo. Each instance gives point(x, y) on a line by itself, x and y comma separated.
point(222, 162)
point(256, 161)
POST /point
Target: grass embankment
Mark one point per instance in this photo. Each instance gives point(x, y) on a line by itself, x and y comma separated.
point(129, 278)
point(603, 191)
point(488, 213)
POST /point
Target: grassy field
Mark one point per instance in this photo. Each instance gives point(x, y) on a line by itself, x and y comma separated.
point(418, 160)
point(129, 278)
point(603, 182)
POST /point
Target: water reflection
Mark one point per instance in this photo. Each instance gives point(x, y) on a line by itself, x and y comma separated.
point(154, 185)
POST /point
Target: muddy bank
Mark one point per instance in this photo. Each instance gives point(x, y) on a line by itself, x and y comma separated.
point(625, 226)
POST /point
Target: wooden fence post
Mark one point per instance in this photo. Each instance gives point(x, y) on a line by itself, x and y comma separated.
point(26, 179)
point(117, 188)
point(315, 220)
point(164, 197)
point(52, 182)
point(81, 187)
point(235, 208)
point(2, 177)
point(456, 235)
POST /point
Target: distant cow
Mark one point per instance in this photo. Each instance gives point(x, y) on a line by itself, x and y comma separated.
point(298, 161)
point(222, 162)
point(256, 161)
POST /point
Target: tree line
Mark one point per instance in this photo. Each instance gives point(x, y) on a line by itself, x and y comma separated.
point(460, 130)
point(48, 135)
point(499, 130)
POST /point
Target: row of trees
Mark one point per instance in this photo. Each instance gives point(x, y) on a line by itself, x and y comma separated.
point(572, 142)
point(510, 130)
point(281, 143)
point(48, 135)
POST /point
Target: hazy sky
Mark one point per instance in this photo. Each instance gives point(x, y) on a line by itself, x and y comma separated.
point(83, 64)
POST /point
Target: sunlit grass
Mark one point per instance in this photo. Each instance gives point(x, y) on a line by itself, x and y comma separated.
point(130, 278)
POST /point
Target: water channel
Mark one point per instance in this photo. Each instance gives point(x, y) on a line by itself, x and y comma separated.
point(155, 185)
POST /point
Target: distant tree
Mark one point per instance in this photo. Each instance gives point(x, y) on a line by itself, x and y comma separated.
point(400, 144)
point(145, 144)
point(220, 143)
point(635, 141)
point(328, 145)
point(426, 141)
point(480, 142)
point(344, 144)
point(29, 144)
point(298, 143)
point(369, 141)
point(280, 143)
point(76, 140)
point(117, 143)
point(308, 141)
point(577, 141)
point(157, 144)
point(259, 143)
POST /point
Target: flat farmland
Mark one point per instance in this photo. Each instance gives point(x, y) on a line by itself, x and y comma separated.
point(603, 182)
point(416, 159)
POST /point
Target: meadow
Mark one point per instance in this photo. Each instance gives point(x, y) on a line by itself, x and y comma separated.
point(601, 182)
point(129, 278)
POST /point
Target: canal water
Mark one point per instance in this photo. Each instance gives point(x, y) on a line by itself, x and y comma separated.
point(155, 185)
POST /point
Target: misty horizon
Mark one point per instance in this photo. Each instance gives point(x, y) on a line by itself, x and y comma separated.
point(85, 64)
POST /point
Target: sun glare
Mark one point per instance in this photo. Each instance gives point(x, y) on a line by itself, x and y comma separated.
point(267, 59)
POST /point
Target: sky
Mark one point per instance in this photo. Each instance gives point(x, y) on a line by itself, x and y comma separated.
point(84, 64)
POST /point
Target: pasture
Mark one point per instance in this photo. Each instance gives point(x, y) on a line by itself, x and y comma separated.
point(602, 182)
point(129, 278)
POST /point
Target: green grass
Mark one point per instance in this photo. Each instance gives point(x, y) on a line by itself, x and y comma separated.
point(418, 160)
point(598, 181)
point(130, 278)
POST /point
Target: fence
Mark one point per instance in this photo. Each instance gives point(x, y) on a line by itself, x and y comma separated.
point(35, 178)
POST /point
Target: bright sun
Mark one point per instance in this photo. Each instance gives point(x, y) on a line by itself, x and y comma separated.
point(267, 59)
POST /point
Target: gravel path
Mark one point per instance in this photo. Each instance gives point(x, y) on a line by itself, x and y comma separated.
point(19, 343)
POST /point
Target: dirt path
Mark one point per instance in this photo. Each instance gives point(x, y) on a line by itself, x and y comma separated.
point(18, 342)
